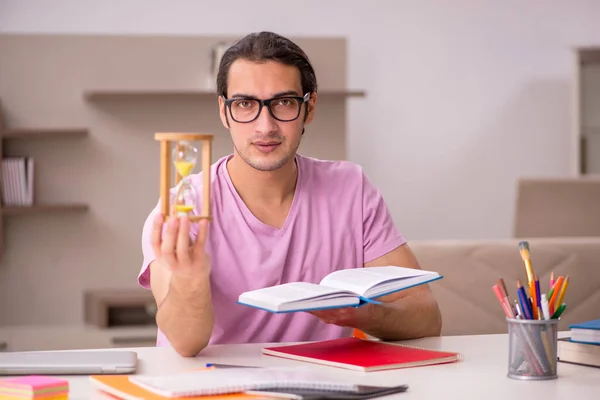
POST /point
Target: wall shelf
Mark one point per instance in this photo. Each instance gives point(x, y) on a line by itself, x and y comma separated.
point(43, 208)
point(189, 94)
point(121, 88)
point(43, 133)
point(35, 134)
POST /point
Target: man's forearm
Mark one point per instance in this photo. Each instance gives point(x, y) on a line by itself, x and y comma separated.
point(186, 315)
point(408, 318)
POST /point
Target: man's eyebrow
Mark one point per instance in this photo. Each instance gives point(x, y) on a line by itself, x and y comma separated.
point(286, 93)
point(249, 96)
point(242, 95)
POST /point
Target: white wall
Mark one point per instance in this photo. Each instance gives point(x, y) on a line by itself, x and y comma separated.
point(463, 98)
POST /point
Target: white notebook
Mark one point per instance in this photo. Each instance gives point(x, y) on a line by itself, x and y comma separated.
point(235, 380)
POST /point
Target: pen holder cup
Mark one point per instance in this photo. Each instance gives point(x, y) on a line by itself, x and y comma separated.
point(532, 345)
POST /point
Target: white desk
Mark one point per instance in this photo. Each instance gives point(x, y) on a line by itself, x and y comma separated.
point(481, 375)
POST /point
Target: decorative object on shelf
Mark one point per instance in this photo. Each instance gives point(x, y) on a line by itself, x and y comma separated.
point(217, 52)
point(184, 157)
point(118, 308)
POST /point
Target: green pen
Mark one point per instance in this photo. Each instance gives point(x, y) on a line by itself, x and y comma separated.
point(559, 311)
point(550, 293)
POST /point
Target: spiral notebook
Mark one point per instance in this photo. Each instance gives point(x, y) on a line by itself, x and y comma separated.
point(362, 355)
point(119, 387)
point(236, 380)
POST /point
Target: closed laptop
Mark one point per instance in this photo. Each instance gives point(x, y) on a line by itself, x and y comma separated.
point(76, 362)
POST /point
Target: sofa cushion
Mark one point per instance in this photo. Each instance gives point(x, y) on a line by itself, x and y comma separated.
point(471, 268)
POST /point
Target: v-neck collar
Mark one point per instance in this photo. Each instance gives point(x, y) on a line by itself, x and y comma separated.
point(251, 218)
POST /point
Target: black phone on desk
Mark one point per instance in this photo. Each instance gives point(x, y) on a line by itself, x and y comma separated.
point(362, 392)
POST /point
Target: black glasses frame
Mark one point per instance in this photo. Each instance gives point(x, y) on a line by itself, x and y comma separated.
point(267, 103)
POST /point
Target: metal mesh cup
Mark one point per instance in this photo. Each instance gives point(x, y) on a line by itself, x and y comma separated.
point(532, 349)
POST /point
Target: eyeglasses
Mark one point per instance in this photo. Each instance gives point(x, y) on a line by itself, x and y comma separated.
point(282, 108)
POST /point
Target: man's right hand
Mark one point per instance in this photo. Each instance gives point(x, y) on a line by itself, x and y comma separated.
point(174, 250)
point(180, 281)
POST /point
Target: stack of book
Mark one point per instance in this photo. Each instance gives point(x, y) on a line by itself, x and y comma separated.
point(17, 181)
point(583, 346)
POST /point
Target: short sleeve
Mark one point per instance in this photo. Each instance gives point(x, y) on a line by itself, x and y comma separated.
point(147, 251)
point(380, 235)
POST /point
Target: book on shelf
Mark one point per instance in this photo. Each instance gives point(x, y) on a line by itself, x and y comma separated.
point(17, 181)
point(342, 288)
point(362, 355)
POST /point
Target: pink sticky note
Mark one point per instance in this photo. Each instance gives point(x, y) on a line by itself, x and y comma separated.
point(34, 382)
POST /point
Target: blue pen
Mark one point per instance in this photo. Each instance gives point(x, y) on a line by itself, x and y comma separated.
point(525, 305)
point(208, 365)
point(538, 297)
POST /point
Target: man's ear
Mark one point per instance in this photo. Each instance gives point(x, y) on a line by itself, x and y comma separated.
point(223, 112)
point(311, 105)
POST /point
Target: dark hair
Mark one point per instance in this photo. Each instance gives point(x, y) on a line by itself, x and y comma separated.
point(267, 46)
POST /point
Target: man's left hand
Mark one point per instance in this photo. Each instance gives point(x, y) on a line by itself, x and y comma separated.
point(354, 317)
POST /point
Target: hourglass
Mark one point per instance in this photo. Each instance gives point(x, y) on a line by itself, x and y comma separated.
point(176, 149)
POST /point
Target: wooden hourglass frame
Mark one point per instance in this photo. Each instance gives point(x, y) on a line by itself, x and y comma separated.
point(166, 140)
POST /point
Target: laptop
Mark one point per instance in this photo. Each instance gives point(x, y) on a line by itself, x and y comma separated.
point(76, 362)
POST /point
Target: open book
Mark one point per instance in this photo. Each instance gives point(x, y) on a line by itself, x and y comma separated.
point(344, 288)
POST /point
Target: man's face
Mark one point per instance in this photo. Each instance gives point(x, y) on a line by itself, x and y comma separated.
point(265, 143)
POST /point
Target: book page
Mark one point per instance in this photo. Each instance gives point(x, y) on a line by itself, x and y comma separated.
point(361, 280)
point(296, 295)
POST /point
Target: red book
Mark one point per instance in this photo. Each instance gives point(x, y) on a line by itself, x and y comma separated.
point(362, 355)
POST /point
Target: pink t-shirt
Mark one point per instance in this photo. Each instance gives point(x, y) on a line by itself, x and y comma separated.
point(337, 220)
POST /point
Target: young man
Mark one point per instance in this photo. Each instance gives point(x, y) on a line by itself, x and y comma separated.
point(277, 217)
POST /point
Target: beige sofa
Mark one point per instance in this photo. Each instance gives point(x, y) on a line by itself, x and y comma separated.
point(471, 268)
point(468, 305)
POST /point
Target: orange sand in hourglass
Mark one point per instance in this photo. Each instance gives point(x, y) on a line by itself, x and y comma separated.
point(184, 208)
point(184, 167)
